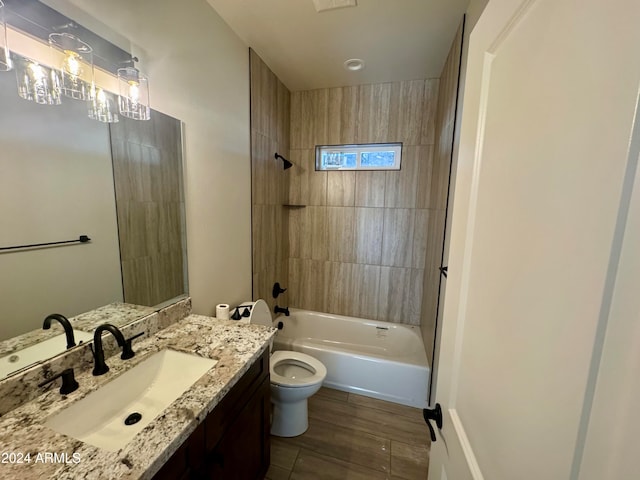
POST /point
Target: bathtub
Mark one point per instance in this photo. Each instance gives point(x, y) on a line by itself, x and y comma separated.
point(368, 357)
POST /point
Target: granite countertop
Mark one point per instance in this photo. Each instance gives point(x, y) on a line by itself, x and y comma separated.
point(117, 313)
point(22, 432)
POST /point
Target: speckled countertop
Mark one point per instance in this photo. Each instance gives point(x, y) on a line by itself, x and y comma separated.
point(22, 432)
point(117, 313)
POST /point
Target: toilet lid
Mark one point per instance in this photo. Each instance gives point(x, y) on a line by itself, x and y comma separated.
point(260, 314)
point(295, 369)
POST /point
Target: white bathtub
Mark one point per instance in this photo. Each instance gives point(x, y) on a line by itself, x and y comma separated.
point(369, 357)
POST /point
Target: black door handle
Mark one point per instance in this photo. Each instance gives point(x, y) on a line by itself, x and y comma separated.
point(433, 414)
point(444, 270)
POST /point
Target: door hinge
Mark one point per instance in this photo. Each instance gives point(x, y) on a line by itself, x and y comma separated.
point(434, 414)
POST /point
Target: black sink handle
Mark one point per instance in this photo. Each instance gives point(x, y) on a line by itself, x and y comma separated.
point(127, 350)
point(69, 383)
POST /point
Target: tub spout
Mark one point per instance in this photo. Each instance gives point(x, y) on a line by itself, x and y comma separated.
point(284, 310)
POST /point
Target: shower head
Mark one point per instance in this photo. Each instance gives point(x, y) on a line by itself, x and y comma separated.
point(287, 163)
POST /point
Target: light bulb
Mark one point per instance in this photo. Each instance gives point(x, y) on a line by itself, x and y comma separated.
point(103, 106)
point(134, 91)
point(71, 64)
point(37, 72)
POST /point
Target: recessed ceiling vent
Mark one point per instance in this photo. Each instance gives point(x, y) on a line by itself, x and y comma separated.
point(324, 5)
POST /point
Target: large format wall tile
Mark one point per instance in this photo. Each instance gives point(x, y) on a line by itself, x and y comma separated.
point(271, 186)
point(369, 227)
point(343, 107)
point(397, 239)
point(372, 125)
point(147, 170)
point(352, 243)
point(429, 129)
point(406, 111)
point(436, 199)
point(401, 187)
point(370, 188)
point(341, 188)
point(341, 232)
point(358, 222)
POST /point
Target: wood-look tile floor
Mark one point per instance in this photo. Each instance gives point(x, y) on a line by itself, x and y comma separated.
point(356, 438)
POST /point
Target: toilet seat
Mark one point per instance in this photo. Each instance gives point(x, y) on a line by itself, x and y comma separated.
point(317, 371)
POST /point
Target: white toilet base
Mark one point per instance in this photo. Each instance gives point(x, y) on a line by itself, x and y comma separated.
point(289, 419)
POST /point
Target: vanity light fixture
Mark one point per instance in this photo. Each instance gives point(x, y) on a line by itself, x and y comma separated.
point(36, 82)
point(134, 94)
point(74, 60)
point(103, 106)
point(5, 58)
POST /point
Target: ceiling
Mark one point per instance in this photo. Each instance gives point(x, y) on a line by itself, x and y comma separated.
point(397, 39)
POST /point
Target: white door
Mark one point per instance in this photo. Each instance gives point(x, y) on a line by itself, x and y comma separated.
point(539, 314)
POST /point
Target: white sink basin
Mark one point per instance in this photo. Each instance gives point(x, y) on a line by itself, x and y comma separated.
point(38, 352)
point(146, 389)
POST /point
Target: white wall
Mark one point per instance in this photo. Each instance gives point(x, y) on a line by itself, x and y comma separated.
point(199, 73)
point(56, 183)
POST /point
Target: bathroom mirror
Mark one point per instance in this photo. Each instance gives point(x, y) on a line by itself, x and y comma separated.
point(62, 176)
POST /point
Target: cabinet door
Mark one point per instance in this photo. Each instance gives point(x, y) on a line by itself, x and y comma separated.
point(188, 458)
point(243, 452)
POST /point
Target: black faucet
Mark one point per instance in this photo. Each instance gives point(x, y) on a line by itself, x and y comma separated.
point(100, 366)
point(284, 310)
point(69, 383)
point(68, 329)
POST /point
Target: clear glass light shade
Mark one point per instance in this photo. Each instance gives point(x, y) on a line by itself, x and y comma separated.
point(103, 106)
point(134, 94)
point(74, 60)
point(36, 82)
point(5, 58)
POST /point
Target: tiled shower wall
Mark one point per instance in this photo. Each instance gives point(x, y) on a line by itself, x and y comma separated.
point(270, 107)
point(358, 240)
point(147, 171)
point(445, 122)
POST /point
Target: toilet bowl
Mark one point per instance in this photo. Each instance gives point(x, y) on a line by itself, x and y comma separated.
point(294, 377)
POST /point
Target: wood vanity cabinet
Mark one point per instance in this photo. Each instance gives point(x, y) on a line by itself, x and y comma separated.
point(233, 441)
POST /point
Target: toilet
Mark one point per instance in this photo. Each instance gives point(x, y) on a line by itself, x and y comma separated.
point(295, 377)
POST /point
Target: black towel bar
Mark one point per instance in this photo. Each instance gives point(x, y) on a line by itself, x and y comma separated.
point(82, 239)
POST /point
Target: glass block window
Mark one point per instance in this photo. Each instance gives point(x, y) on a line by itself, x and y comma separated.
point(373, 156)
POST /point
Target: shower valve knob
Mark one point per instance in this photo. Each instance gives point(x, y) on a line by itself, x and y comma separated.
point(277, 290)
